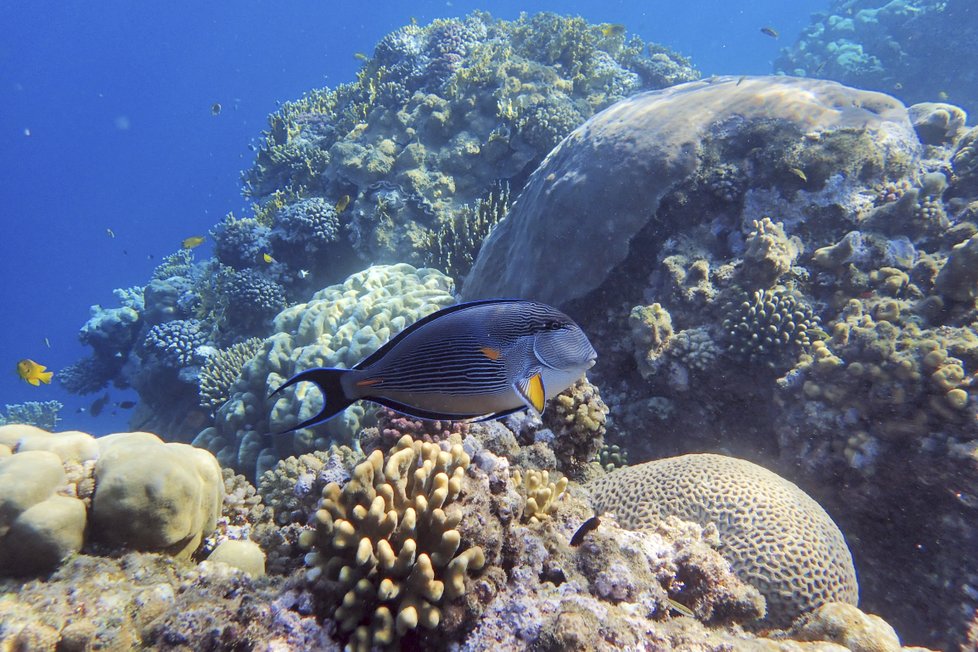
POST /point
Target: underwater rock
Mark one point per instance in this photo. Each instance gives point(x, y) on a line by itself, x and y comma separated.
point(604, 183)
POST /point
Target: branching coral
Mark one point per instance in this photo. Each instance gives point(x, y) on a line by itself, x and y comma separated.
point(770, 327)
point(385, 553)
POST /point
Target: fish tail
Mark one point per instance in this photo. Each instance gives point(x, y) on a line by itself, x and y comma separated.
point(46, 377)
point(327, 380)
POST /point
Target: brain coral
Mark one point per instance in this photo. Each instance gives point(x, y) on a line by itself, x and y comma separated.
point(775, 536)
point(625, 161)
point(337, 327)
point(385, 553)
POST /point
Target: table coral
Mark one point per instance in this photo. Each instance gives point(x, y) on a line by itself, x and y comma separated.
point(773, 534)
point(384, 555)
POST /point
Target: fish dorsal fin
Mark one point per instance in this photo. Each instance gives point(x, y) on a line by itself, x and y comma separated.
point(394, 341)
point(531, 390)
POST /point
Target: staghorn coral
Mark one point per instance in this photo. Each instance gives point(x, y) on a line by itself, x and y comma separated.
point(384, 556)
point(577, 420)
point(769, 327)
point(222, 369)
point(773, 534)
point(541, 495)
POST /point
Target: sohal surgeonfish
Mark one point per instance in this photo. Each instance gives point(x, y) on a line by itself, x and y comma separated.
point(474, 361)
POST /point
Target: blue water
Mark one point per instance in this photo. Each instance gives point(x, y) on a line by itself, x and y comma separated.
point(106, 123)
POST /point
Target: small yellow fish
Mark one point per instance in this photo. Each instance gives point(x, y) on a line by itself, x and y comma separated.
point(612, 29)
point(216, 108)
point(110, 233)
point(33, 373)
point(192, 241)
point(360, 56)
point(799, 173)
point(942, 96)
point(267, 258)
point(770, 31)
point(342, 203)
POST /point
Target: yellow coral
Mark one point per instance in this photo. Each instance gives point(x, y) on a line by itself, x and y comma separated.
point(541, 494)
point(388, 538)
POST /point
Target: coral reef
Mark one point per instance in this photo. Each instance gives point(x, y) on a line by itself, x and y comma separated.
point(577, 421)
point(890, 46)
point(43, 414)
point(775, 536)
point(541, 494)
point(439, 117)
point(385, 552)
point(769, 328)
point(337, 327)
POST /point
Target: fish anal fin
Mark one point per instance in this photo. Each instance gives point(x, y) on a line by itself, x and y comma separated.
point(532, 392)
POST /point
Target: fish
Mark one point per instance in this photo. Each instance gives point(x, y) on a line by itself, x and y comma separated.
point(770, 31)
point(192, 242)
point(216, 108)
point(898, 86)
point(47, 342)
point(303, 273)
point(740, 80)
point(680, 607)
point(33, 373)
point(588, 526)
point(798, 172)
point(110, 233)
point(820, 68)
point(360, 56)
point(342, 203)
point(474, 361)
point(612, 29)
point(126, 405)
point(267, 257)
point(943, 96)
point(98, 404)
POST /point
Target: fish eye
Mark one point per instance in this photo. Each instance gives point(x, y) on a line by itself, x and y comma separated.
point(553, 325)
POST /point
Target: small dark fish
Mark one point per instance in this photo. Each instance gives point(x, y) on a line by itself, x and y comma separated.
point(820, 68)
point(898, 86)
point(589, 525)
point(740, 80)
point(98, 405)
point(126, 405)
point(770, 31)
point(216, 108)
point(481, 360)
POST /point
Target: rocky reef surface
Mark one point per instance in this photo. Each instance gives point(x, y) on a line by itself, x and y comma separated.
point(781, 268)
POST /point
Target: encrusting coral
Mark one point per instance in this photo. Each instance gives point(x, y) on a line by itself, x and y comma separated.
point(774, 535)
point(384, 555)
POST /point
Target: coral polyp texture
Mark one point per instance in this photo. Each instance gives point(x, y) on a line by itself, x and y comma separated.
point(385, 553)
point(774, 535)
point(339, 326)
point(222, 369)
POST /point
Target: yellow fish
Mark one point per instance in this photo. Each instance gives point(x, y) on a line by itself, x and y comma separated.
point(360, 56)
point(342, 203)
point(612, 29)
point(192, 241)
point(33, 373)
point(267, 258)
point(799, 173)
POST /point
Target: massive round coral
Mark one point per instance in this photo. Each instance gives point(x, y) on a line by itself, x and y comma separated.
point(773, 534)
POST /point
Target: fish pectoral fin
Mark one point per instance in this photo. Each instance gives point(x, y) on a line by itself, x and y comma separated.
point(532, 392)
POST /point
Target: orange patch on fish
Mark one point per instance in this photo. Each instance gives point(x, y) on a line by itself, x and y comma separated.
point(491, 353)
point(369, 382)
